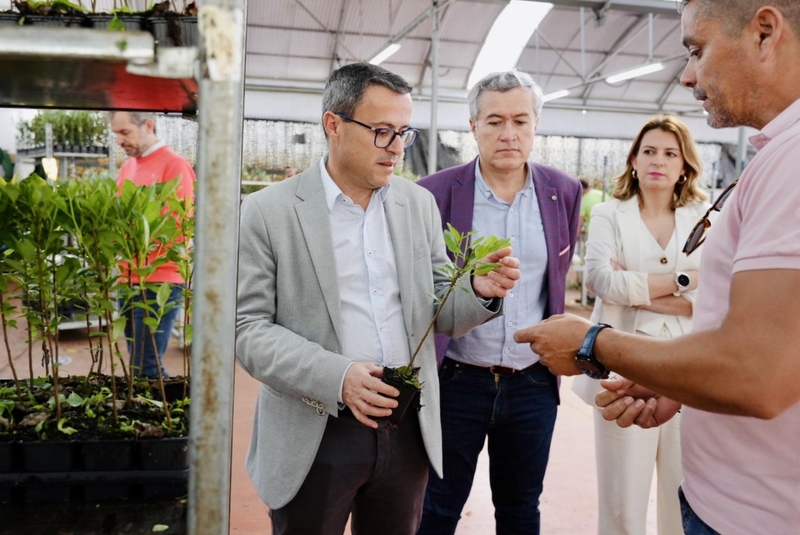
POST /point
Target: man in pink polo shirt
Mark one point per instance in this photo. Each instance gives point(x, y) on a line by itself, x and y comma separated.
point(150, 162)
point(738, 376)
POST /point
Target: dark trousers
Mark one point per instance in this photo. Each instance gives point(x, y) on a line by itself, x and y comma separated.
point(141, 337)
point(692, 524)
point(377, 474)
point(518, 413)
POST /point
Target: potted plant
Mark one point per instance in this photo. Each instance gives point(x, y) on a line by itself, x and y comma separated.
point(468, 258)
point(51, 13)
point(100, 423)
point(73, 132)
point(171, 26)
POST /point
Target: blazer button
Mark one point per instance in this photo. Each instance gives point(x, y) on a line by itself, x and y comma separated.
point(553, 198)
point(664, 260)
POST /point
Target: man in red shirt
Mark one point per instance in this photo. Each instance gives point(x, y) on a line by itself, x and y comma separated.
point(151, 161)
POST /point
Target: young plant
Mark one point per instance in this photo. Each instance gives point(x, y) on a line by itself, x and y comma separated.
point(469, 260)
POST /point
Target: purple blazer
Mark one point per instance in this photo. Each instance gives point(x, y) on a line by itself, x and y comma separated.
point(559, 197)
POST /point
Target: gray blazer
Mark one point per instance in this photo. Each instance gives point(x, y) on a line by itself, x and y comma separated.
point(289, 322)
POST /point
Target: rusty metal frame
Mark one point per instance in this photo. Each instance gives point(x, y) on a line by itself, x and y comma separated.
point(222, 25)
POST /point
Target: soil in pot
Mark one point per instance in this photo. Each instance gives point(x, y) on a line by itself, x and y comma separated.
point(409, 394)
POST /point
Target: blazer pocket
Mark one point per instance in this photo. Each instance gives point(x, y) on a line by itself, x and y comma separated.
point(422, 252)
point(272, 391)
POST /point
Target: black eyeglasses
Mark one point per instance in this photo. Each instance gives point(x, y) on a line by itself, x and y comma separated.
point(698, 234)
point(385, 136)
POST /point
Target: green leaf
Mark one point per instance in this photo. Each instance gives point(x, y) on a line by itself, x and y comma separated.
point(158, 528)
point(74, 400)
point(65, 430)
point(163, 294)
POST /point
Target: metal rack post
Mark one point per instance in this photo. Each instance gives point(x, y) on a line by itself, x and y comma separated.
point(221, 82)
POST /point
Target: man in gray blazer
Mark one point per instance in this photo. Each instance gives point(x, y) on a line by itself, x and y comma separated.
point(337, 266)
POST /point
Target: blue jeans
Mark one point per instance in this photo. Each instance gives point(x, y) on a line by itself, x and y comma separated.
point(692, 524)
point(518, 413)
point(144, 360)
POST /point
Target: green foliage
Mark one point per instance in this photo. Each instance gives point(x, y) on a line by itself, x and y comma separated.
point(469, 258)
point(84, 128)
point(66, 243)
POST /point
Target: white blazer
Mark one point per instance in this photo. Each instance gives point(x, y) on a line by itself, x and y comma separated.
point(616, 233)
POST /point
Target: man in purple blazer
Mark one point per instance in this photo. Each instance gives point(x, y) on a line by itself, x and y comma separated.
point(490, 385)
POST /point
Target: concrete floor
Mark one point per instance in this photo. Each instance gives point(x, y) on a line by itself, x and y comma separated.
point(568, 504)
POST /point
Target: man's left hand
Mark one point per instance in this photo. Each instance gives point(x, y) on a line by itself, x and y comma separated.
point(497, 283)
point(556, 340)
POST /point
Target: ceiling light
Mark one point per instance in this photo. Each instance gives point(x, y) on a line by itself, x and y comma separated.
point(633, 73)
point(381, 56)
point(558, 94)
point(508, 37)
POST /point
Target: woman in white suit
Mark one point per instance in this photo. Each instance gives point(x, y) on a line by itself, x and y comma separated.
point(644, 284)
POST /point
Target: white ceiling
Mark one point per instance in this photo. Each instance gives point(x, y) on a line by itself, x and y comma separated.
point(294, 45)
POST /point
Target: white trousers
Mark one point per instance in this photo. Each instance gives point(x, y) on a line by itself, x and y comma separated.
point(625, 461)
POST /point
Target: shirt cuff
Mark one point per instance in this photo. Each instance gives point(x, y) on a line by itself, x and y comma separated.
point(341, 386)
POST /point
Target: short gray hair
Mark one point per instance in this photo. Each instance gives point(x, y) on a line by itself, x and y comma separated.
point(138, 117)
point(505, 81)
point(734, 15)
point(346, 86)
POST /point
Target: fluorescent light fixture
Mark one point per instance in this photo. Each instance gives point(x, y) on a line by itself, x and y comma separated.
point(633, 73)
point(384, 54)
point(558, 94)
point(508, 37)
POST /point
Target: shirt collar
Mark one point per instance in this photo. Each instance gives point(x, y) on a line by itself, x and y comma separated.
point(332, 190)
point(154, 147)
point(782, 122)
point(487, 192)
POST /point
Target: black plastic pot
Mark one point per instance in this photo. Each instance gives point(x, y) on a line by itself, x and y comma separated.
point(189, 31)
point(9, 18)
point(8, 456)
point(68, 21)
point(48, 456)
point(48, 492)
point(167, 30)
point(132, 22)
point(99, 21)
point(164, 454)
point(107, 455)
point(409, 396)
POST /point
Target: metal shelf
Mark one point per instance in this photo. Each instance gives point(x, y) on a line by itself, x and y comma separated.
point(101, 70)
point(77, 68)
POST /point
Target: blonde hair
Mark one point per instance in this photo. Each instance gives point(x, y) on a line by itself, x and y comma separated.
point(685, 193)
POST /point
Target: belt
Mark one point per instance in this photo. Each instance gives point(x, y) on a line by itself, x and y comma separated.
point(494, 370)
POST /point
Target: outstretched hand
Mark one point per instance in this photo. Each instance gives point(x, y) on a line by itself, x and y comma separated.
point(497, 283)
point(629, 403)
point(556, 340)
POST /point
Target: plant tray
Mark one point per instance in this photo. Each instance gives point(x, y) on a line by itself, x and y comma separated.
point(96, 471)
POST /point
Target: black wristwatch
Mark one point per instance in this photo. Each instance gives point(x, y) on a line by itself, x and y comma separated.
point(585, 359)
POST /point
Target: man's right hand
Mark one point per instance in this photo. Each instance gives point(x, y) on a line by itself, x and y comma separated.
point(366, 394)
point(629, 403)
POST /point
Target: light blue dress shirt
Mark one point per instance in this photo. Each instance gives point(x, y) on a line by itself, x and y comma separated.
point(373, 329)
point(492, 344)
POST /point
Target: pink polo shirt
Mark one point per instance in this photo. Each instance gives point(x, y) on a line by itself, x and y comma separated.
point(742, 475)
